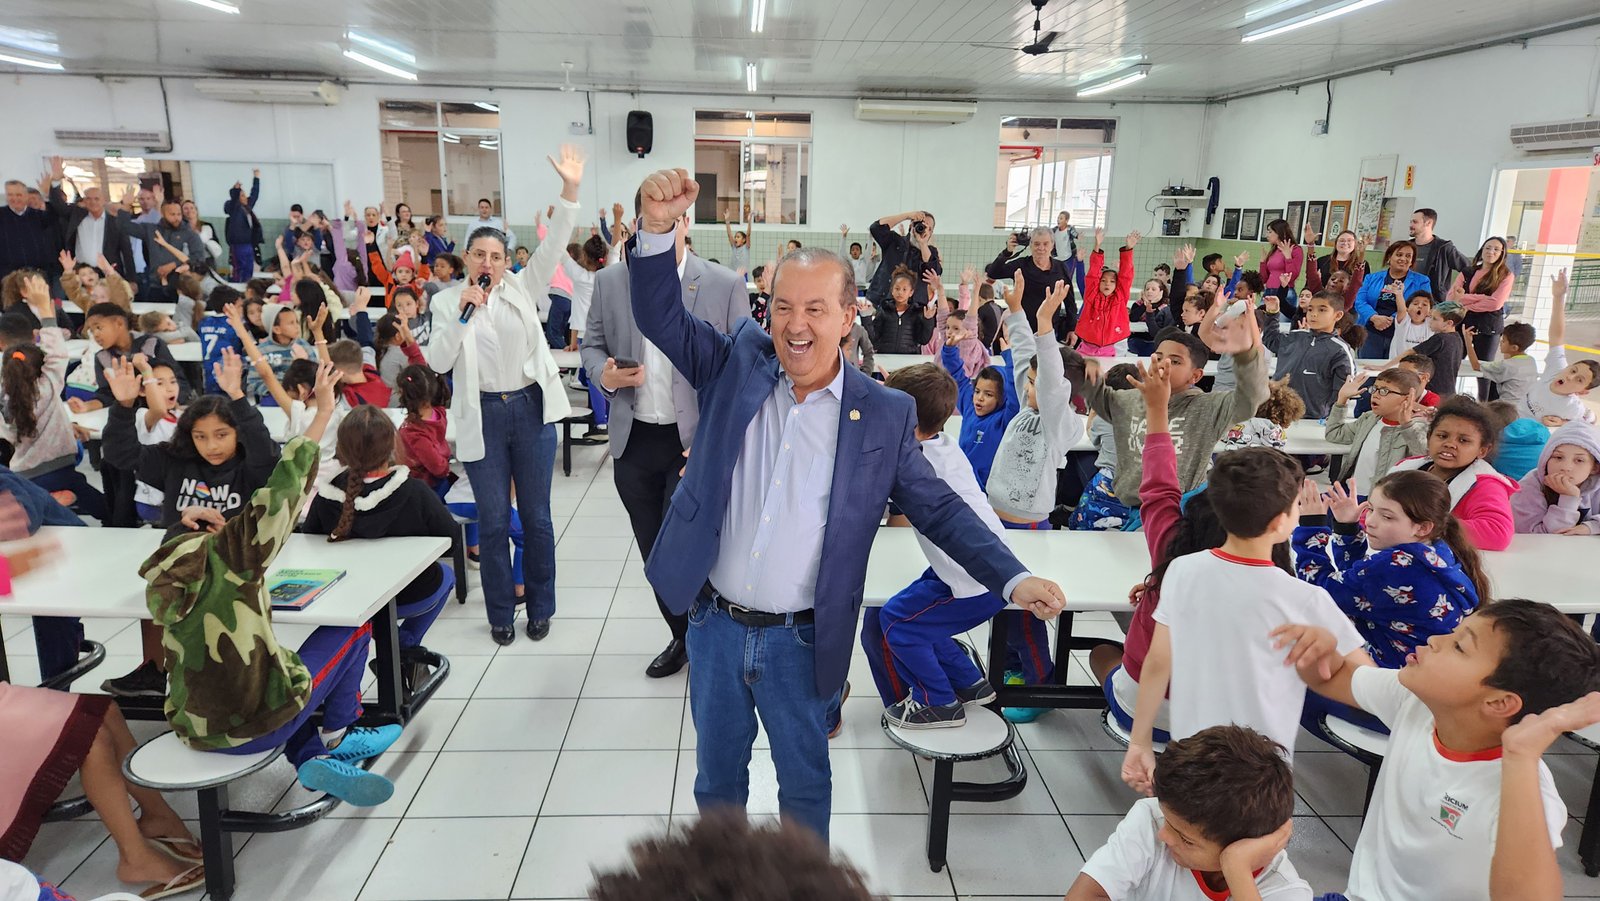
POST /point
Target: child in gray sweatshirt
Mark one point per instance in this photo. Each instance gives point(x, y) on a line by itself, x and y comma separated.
point(1198, 419)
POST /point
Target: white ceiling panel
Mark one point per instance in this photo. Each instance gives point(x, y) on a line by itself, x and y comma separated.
point(808, 47)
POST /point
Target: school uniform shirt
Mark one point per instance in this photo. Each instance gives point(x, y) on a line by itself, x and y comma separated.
point(950, 464)
point(1220, 609)
point(147, 497)
point(1513, 376)
point(299, 419)
point(1407, 335)
point(1430, 830)
point(1135, 865)
point(1541, 401)
point(1446, 350)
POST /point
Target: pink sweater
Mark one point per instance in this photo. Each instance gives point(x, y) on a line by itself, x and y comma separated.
point(974, 356)
point(1276, 265)
point(1481, 499)
point(1487, 303)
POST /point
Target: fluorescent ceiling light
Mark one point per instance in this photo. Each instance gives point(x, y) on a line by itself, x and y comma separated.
point(217, 5)
point(451, 139)
point(50, 64)
point(1271, 8)
point(383, 47)
point(1112, 67)
point(758, 15)
point(380, 65)
point(1118, 82)
point(1314, 17)
point(487, 107)
point(750, 77)
point(25, 39)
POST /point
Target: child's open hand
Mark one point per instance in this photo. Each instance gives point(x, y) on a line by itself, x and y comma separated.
point(319, 322)
point(1241, 259)
point(235, 313)
point(229, 372)
point(126, 386)
point(298, 351)
point(323, 388)
point(1251, 855)
point(1352, 387)
point(1238, 335)
point(1139, 769)
point(1342, 503)
point(360, 301)
point(142, 363)
point(1312, 650)
point(1530, 736)
point(1053, 299)
point(1014, 295)
point(1312, 503)
point(1152, 384)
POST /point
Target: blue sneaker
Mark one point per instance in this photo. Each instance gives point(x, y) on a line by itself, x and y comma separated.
point(362, 742)
point(350, 784)
point(1023, 714)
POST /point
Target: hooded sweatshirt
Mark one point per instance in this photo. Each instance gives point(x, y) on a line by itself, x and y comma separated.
point(980, 435)
point(372, 391)
point(1398, 597)
point(1530, 506)
point(1480, 498)
point(426, 450)
point(389, 505)
point(1519, 447)
point(1022, 483)
point(228, 680)
point(194, 483)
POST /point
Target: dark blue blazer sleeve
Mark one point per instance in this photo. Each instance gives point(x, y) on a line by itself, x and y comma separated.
point(943, 516)
point(694, 346)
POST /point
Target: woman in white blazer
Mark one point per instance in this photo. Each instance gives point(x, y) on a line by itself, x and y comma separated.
point(508, 396)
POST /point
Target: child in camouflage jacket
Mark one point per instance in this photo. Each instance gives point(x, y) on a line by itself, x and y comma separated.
point(232, 688)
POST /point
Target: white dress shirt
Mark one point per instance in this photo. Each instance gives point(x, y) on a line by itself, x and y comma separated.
point(503, 347)
point(91, 238)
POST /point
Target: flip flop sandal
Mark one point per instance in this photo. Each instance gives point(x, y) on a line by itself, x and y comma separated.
point(187, 881)
point(170, 845)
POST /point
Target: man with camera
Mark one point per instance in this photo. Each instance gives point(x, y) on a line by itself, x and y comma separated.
point(915, 251)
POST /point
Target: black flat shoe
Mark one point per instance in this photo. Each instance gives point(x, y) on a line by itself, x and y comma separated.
point(669, 661)
point(538, 629)
point(503, 635)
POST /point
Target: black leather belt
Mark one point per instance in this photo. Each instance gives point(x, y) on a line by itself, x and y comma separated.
point(744, 616)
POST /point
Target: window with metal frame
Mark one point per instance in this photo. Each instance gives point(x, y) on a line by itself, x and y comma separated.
point(1046, 166)
point(753, 166)
point(440, 157)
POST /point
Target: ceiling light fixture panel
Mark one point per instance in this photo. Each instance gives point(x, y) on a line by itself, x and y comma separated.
point(758, 16)
point(1120, 81)
point(750, 77)
point(380, 65)
point(217, 5)
point(49, 64)
point(1314, 17)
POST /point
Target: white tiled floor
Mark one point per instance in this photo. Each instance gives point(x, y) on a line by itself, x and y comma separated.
point(539, 761)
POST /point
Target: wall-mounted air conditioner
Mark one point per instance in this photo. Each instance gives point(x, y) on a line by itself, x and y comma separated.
point(266, 90)
point(948, 112)
point(1570, 134)
point(114, 138)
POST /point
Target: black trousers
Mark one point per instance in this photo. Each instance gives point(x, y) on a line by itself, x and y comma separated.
point(1487, 343)
point(646, 475)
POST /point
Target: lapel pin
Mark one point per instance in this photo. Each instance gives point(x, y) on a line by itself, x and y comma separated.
point(855, 415)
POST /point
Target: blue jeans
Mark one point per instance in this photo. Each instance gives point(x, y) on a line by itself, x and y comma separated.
point(737, 671)
point(519, 448)
point(470, 511)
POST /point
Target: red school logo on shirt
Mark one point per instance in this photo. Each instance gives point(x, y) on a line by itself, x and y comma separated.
point(1450, 813)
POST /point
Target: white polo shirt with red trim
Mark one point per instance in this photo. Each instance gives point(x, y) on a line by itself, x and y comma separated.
point(1135, 865)
point(1221, 610)
point(1430, 830)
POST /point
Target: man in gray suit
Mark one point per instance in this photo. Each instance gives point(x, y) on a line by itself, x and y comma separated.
point(653, 409)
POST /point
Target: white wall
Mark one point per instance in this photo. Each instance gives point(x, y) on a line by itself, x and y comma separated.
point(860, 170)
point(1449, 117)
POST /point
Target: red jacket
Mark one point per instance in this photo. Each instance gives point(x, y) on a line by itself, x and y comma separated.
point(424, 447)
point(373, 391)
point(1104, 320)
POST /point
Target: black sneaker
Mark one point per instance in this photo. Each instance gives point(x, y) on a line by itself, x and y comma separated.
point(472, 560)
point(148, 681)
point(503, 635)
point(909, 714)
point(978, 693)
point(416, 664)
point(538, 629)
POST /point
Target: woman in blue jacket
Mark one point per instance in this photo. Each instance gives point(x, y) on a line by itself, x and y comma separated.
point(1382, 294)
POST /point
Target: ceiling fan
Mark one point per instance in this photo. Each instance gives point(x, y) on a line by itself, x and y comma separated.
point(1041, 42)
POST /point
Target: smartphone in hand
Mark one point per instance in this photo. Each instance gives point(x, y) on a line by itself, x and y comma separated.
point(625, 363)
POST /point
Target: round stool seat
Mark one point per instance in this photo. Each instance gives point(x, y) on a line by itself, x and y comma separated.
point(1356, 738)
point(1113, 728)
point(985, 734)
point(579, 413)
point(166, 764)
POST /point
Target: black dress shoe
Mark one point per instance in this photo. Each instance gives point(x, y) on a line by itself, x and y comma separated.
point(538, 629)
point(669, 661)
point(503, 635)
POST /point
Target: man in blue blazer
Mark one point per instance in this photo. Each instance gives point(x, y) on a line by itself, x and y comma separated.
point(795, 456)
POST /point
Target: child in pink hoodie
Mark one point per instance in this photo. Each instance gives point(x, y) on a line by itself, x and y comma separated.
point(1561, 496)
point(1460, 441)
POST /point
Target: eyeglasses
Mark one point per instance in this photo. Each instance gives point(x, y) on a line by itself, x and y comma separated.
point(1384, 391)
point(481, 255)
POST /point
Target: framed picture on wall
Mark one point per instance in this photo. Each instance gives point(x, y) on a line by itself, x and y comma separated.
point(1338, 221)
point(1270, 216)
point(1316, 212)
point(1249, 225)
point(1230, 224)
point(1295, 212)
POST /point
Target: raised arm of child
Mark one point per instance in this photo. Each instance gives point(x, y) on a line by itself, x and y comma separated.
point(1054, 391)
point(253, 353)
point(1524, 865)
point(1139, 763)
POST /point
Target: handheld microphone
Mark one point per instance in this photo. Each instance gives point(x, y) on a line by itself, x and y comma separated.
point(466, 314)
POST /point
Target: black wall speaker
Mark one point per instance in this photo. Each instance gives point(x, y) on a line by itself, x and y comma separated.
point(641, 131)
